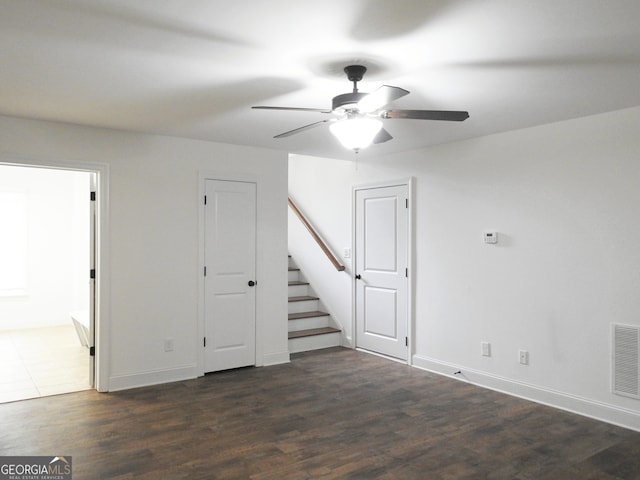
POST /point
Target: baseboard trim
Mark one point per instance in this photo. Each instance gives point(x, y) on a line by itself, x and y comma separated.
point(152, 377)
point(276, 358)
point(613, 414)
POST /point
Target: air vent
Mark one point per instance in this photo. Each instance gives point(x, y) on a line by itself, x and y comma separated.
point(626, 357)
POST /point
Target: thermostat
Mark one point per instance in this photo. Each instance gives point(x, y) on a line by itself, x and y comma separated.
point(490, 237)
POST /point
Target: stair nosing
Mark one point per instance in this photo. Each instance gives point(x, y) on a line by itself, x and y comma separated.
point(303, 298)
point(317, 313)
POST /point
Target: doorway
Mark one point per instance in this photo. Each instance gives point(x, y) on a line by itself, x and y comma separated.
point(230, 274)
point(382, 260)
point(46, 290)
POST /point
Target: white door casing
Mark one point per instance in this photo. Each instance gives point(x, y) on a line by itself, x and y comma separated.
point(93, 222)
point(102, 263)
point(230, 259)
point(381, 269)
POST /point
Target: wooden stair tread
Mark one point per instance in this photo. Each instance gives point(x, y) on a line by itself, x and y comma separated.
point(297, 282)
point(302, 298)
point(313, 331)
point(295, 316)
point(294, 269)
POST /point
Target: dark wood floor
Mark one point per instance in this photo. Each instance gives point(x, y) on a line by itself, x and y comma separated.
point(330, 414)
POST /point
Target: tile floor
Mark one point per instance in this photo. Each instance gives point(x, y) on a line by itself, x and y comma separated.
point(41, 361)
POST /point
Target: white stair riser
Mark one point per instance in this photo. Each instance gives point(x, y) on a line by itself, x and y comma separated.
point(315, 342)
point(298, 290)
point(304, 306)
point(295, 275)
point(308, 323)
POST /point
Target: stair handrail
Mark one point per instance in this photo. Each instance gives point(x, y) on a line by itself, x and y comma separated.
point(338, 266)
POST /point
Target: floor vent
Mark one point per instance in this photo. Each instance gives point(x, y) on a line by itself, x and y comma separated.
point(626, 360)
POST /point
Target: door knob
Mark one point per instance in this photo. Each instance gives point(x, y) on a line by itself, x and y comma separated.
point(358, 277)
point(251, 283)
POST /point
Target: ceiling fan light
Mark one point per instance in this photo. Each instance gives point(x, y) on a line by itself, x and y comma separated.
point(356, 133)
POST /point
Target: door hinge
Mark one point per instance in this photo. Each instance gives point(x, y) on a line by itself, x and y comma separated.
point(205, 199)
point(93, 196)
point(406, 272)
point(406, 203)
point(205, 341)
point(92, 351)
point(406, 341)
point(205, 271)
point(92, 273)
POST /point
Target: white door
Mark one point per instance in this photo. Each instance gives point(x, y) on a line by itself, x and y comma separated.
point(230, 257)
point(381, 268)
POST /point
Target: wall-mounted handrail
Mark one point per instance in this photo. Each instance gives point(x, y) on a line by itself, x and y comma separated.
point(338, 266)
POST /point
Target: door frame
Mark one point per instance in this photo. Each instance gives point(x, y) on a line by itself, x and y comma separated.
point(409, 183)
point(203, 176)
point(102, 298)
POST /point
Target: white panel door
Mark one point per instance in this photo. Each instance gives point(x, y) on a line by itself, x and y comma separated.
point(230, 257)
point(381, 266)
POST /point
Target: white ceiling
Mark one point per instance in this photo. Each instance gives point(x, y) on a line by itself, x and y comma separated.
point(193, 68)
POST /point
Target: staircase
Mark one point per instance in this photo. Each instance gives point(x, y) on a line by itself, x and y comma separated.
point(309, 327)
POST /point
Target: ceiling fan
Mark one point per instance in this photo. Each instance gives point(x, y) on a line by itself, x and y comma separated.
point(356, 122)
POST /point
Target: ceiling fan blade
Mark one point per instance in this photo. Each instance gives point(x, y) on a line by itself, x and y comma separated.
point(301, 129)
point(297, 109)
point(447, 115)
point(380, 97)
point(382, 136)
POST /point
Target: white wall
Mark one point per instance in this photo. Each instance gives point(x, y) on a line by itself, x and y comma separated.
point(152, 243)
point(564, 200)
point(57, 247)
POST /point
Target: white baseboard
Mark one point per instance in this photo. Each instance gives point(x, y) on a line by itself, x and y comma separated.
point(153, 377)
point(348, 342)
point(582, 406)
point(276, 358)
point(187, 372)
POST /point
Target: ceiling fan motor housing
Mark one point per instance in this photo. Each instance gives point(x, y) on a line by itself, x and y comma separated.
point(346, 101)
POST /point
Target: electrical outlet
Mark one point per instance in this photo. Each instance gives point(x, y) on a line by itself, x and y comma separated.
point(523, 357)
point(168, 345)
point(485, 349)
